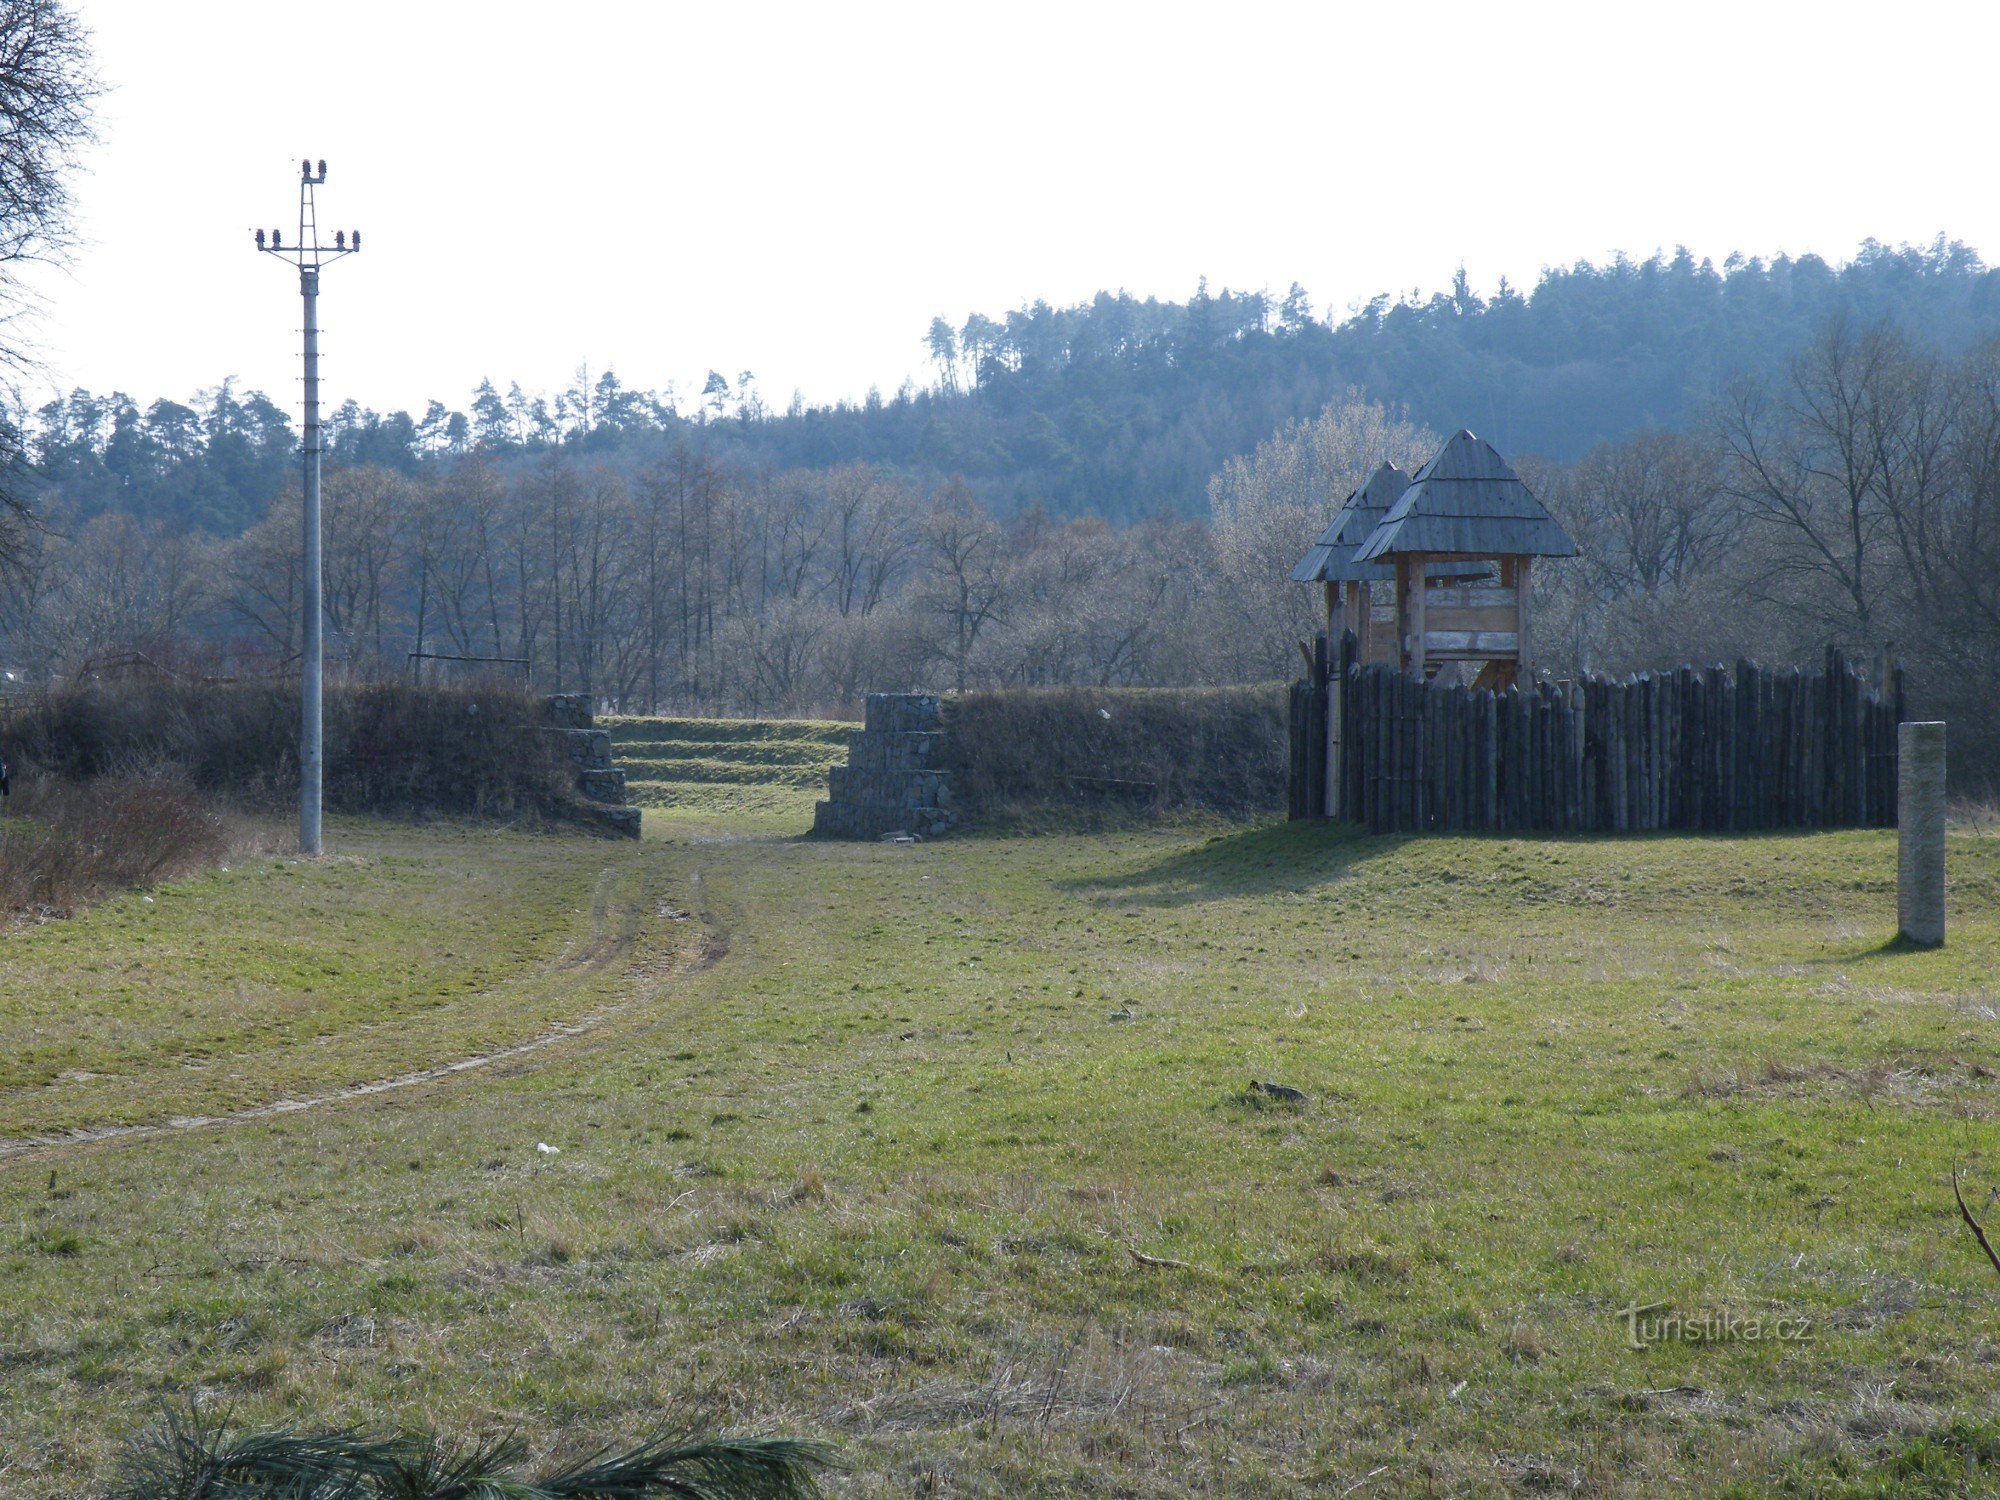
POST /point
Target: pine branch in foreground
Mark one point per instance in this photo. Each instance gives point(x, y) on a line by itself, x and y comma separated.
point(189, 1456)
point(715, 1469)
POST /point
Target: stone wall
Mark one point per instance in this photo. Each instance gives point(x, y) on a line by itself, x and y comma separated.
point(589, 749)
point(894, 781)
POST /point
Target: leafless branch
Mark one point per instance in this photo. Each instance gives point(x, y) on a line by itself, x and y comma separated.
point(1965, 1213)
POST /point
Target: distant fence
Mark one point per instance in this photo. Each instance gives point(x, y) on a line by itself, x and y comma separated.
point(436, 668)
point(1695, 748)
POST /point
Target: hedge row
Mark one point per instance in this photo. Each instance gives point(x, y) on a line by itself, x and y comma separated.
point(1015, 751)
point(387, 747)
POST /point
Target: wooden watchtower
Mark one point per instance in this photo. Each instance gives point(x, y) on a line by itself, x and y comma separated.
point(1466, 506)
point(1350, 595)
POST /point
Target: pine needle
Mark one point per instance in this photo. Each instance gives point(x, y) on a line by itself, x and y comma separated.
point(188, 1456)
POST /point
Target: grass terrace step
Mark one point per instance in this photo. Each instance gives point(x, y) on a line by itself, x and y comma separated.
point(794, 805)
point(778, 756)
point(770, 769)
point(709, 770)
point(727, 731)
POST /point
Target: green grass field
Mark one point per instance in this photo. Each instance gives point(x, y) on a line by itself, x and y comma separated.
point(948, 1153)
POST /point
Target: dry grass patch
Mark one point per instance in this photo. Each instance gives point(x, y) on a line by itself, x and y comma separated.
point(1902, 1079)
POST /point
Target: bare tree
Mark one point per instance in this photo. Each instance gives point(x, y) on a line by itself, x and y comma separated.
point(457, 525)
point(1656, 535)
point(46, 90)
point(1957, 564)
point(654, 498)
point(873, 522)
point(594, 578)
point(1823, 464)
point(962, 583)
point(1656, 502)
point(796, 520)
point(261, 581)
point(1271, 504)
point(1083, 601)
point(367, 510)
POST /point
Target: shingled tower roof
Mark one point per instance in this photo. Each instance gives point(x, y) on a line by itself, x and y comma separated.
point(1467, 500)
point(1331, 559)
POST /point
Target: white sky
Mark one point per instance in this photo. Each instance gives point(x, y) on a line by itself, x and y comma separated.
point(795, 189)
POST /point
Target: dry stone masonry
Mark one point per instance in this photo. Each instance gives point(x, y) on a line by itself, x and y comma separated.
point(894, 781)
point(1920, 833)
point(589, 749)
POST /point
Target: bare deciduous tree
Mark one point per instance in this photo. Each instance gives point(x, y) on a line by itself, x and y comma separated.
point(1272, 503)
point(1825, 465)
point(963, 582)
point(46, 90)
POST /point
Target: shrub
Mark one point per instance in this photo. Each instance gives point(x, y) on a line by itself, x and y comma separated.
point(1151, 749)
point(66, 843)
point(387, 746)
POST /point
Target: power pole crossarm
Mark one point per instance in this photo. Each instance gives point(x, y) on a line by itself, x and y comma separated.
point(309, 255)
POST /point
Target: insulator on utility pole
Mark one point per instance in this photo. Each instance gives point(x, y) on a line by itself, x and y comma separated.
point(310, 256)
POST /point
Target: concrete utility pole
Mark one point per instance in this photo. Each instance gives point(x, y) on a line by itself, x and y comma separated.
point(309, 255)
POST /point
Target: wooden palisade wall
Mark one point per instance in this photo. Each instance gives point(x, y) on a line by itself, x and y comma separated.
point(1306, 781)
point(1696, 748)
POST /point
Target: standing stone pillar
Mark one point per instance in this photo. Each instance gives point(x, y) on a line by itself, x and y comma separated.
point(892, 782)
point(1920, 833)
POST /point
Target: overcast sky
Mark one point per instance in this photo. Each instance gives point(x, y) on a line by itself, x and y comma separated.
point(796, 190)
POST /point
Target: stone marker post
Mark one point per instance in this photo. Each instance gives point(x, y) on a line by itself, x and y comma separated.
point(1920, 833)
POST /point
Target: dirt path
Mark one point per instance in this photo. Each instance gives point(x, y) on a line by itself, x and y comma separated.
point(610, 942)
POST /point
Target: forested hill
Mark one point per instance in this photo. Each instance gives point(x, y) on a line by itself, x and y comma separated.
point(1122, 407)
point(1118, 407)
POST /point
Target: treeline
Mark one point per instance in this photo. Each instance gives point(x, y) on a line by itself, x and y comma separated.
point(695, 585)
point(1853, 501)
point(702, 583)
point(1120, 407)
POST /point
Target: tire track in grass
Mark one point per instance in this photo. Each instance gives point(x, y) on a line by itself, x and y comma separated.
point(603, 947)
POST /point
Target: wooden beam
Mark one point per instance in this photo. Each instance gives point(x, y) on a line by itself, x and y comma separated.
point(1471, 645)
point(1357, 611)
point(1523, 595)
point(1470, 596)
point(1410, 611)
point(1336, 699)
point(1507, 618)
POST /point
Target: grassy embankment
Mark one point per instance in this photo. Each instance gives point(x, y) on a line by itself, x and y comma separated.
point(768, 771)
point(884, 1171)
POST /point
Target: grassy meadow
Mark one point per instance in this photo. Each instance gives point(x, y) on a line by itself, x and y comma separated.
point(949, 1153)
